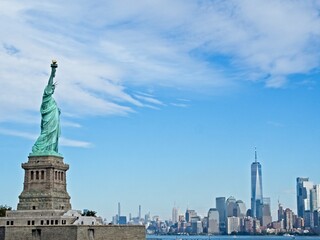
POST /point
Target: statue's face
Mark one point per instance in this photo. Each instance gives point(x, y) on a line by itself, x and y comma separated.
point(53, 87)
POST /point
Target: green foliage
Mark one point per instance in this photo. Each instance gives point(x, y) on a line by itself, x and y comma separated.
point(3, 210)
point(89, 213)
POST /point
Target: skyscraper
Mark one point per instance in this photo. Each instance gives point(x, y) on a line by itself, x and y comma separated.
point(315, 198)
point(265, 217)
point(213, 221)
point(231, 207)
point(241, 209)
point(190, 214)
point(303, 195)
point(256, 186)
point(221, 207)
point(280, 212)
point(175, 214)
point(288, 219)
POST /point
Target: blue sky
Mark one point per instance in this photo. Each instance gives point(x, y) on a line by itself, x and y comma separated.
point(164, 101)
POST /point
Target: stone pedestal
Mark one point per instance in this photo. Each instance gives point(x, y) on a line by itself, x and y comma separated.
point(45, 185)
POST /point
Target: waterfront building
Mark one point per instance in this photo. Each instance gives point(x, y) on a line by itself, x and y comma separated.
point(278, 226)
point(205, 224)
point(182, 225)
point(288, 219)
point(213, 221)
point(256, 187)
point(308, 219)
point(196, 226)
point(221, 207)
point(298, 222)
point(233, 225)
point(248, 225)
point(256, 226)
point(316, 218)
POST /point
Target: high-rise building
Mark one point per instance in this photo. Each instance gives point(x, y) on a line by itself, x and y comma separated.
point(280, 212)
point(233, 225)
point(231, 207)
point(265, 218)
point(241, 209)
point(316, 218)
point(315, 198)
point(175, 214)
point(256, 186)
point(196, 226)
point(221, 207)
point(213, 221)
point(308, 219)
point(248, 225)
point(304, 188)
point(288, 219)
point(204, 221)
point(190, 214)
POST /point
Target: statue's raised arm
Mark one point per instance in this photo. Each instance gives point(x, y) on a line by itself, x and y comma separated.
point(51, 86)
point(47, 142)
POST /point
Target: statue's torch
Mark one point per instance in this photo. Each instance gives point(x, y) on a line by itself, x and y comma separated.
point(54, 64)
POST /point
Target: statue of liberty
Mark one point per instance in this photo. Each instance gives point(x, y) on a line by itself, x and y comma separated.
point(47, 142)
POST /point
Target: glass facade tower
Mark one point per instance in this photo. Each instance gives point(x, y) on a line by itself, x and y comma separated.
point(221, 207)
point(304, 187)
point(256, 187)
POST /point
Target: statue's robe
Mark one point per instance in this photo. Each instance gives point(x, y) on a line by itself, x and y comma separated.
point(47, 142)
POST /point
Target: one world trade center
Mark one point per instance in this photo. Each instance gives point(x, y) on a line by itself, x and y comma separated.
point(256, 187)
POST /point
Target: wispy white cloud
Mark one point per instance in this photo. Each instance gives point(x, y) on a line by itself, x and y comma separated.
point(183, 105)
point(70, 124)
point(276, 82)
point(149, 99)
point(21, 134)
point(30, 136)
point(181, 102)
point(74, 143)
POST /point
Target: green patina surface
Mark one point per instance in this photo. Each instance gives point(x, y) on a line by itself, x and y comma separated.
point(47, 142)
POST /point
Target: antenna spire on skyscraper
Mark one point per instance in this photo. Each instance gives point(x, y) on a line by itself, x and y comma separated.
point(255, 154)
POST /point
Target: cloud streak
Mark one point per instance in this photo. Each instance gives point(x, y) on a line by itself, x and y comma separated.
point(63, 141)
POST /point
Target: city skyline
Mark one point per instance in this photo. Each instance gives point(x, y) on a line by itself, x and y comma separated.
point(163, 102)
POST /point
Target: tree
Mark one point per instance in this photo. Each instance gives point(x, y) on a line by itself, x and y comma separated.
point(89, 213)
point(4, 209)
